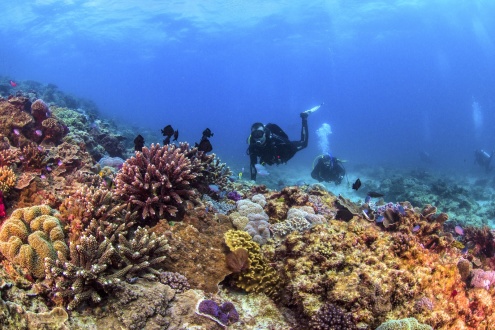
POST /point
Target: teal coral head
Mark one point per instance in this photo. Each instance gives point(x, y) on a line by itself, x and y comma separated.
point(404, 324)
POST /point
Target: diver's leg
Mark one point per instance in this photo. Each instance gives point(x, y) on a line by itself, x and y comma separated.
point(304, 134)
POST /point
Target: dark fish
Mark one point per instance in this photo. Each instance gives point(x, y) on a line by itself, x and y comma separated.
point(166, 140)
point(401, 210)
point(176, 135)
point(139, 143)
point(168, 131)
point(207, 133)
point(204, 146)
point(356, 185)
point(374, 194)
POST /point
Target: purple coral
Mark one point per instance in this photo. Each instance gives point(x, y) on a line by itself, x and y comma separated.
point(225, 315)
point(176, 281)
point(330, 317)
point(234, 195)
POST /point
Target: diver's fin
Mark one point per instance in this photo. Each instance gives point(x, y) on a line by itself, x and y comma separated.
point(313, 109)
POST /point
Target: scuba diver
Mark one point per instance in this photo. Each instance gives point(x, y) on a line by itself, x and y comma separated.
point(328, 169)
point(483, 159)
point(272, 145)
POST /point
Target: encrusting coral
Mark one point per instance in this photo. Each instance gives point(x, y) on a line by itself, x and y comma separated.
point(259, 276)
point(30, 235)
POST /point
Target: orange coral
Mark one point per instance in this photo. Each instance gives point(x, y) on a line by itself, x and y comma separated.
point(7, 179)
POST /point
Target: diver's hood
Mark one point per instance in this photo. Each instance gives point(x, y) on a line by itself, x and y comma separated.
point(258, 136)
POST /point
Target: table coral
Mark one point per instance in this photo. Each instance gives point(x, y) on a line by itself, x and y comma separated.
point(29, 236)
point(260, 276)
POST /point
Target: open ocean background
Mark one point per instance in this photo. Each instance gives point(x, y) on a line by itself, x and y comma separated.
point(397, 77)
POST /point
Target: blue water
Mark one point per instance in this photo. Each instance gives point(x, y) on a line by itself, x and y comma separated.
point(397, 77)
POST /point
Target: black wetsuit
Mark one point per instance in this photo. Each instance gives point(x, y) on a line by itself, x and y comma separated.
point(277, 149)
point(328, 169)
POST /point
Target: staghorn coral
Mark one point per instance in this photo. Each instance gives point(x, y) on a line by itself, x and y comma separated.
point(157, 180)
point(106, 254)
point(260, 276)
point(7, 179)
point(84, 276)
point(30, 235)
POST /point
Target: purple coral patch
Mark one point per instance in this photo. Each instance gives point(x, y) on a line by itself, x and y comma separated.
point(234, 195)
point(209, 307)
point(224, 315)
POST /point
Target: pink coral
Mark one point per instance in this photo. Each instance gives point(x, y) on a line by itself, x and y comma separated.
point(482, 279)
point(156, 180)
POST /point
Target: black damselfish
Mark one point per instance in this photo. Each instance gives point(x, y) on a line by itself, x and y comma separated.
point(356, 185)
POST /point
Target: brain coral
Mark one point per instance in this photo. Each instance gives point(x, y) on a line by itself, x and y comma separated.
point(7, 179)
point(259, 277)
point(30, 235)
point(156, 180)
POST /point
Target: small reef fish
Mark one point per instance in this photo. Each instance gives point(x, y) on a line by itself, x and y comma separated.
point(416, 228)
point(380, 219)
point(204, 145)
point(356, 185)
point(60, 162)
point(16, 131)
point(168, 132)
point(13, 83)
point(261, 170)
point(207, 133)
point(38, 132)
point(458, 230)
point(401, 210)
point(375, 194)
point(214, 188)
point(138, 143)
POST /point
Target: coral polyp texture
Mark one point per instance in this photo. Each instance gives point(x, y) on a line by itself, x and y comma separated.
point(259, 275)
point(29, 236)
point(7, 179)
point(156, 181)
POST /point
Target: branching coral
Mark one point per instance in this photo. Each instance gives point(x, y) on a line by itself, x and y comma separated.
point(157, 180)
point(107, 253)
point(9, 156)
point(29, 236)
point(7, 179)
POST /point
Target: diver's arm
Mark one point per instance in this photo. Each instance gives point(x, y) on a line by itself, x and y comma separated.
point(252, 168)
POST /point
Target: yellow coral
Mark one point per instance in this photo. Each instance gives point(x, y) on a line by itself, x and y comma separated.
point(259, 277)
point(30, 235)
point(7, 179)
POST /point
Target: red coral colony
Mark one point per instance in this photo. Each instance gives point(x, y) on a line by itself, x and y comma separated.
point(95, 234)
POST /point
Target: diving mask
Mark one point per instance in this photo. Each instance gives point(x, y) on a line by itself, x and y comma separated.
point(259, 136)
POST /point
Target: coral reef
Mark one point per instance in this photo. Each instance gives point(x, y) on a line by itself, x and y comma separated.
point(331, 317)
point(157, 180)
point(225, 314)
point(29, 236)
point(260, 276)
point(7, 179)
point(404, 324)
